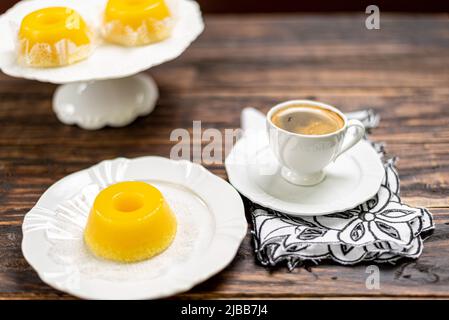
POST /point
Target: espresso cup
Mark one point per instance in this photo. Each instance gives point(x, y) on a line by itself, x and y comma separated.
point(303, 157)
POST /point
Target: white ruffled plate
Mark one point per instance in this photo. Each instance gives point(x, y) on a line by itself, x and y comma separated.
point(211, 226)
point(107, 61)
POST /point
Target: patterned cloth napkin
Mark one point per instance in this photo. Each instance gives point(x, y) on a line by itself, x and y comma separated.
point(383, 229)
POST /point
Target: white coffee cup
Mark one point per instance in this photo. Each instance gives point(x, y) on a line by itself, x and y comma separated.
point(303, 157)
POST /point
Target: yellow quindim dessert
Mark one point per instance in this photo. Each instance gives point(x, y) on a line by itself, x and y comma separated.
point(52, 37)
point(136, 22)
point(130, 221)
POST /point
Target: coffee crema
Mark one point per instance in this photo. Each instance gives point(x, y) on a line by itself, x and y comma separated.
point(307, 120)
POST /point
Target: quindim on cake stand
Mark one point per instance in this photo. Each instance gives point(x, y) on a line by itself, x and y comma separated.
point(107, 88)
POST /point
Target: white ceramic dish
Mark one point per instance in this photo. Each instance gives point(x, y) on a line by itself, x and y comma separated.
point(254, 171)
point(107, 61)
point(211, 226)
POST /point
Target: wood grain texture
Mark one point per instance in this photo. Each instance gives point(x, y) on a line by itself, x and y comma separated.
point(253, 6)
point(402, 71)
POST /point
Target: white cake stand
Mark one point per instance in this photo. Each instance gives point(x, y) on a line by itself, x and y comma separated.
point(105, 89)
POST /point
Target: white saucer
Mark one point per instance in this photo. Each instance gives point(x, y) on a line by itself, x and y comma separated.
point(211, 226)
point(351, 180)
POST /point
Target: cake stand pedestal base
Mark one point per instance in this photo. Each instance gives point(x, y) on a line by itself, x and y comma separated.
point(94, 104)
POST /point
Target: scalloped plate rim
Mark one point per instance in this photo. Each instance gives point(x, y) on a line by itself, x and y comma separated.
point(238, 234)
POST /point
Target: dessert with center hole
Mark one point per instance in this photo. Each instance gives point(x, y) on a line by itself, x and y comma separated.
point(130, 221)
point(136, 22)
point(53, 37)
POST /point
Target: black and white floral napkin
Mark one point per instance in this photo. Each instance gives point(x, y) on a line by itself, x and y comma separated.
point(383, 229)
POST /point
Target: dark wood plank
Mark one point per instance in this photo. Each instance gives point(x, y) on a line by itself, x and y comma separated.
point(252, 6)
point(401, 71)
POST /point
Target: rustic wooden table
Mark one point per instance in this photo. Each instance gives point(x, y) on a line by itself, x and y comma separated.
point(401, 70)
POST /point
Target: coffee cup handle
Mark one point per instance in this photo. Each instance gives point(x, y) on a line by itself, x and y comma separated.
point(351, 139)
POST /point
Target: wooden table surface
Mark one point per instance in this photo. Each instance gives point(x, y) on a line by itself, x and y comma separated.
point(402, 71)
